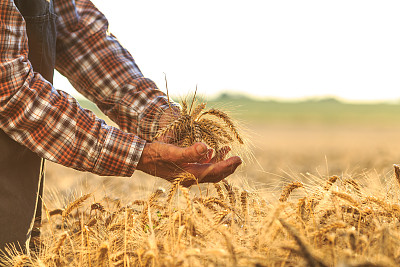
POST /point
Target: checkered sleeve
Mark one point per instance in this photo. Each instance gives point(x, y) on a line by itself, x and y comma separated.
point(100, 68)
point(50, 122)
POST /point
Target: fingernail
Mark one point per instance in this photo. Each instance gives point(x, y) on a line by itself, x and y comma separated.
point(201, 149)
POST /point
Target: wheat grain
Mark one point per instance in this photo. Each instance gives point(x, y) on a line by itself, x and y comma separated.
point(198, 137)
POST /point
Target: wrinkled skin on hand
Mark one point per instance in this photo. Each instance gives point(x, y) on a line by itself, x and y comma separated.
point(166, 160)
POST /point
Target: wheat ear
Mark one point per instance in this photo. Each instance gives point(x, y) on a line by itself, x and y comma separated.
point(231, 193)
point(60, 243)
point(180, 178)
point(216, 201)
point(397, 173)
point(75, 204)
point(288, 190)
point(329, 227)
point(184, 110)
point(174, 127)
point(225, 118)
point(196, 112)
point(243, 199)
point(215, 128)
point(330, 181)
point(346, 197)
point(20, 261)
point(219, 191)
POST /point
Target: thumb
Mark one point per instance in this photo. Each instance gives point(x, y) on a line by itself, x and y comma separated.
point(194, 153)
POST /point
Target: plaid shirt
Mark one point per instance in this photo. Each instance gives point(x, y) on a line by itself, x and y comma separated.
point(52, 123)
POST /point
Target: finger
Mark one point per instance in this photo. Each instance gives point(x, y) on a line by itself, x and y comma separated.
point(212, 173)
point(208, 156)
point(192, 154)
point(221, 154)
point(222, 170)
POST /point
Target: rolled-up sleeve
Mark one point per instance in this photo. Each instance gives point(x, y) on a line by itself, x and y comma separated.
point(50, 122)
point(100, 68)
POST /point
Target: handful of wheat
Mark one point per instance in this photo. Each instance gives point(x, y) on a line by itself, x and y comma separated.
point(213, 127)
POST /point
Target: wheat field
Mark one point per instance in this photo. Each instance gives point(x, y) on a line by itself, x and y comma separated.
point(310, 195)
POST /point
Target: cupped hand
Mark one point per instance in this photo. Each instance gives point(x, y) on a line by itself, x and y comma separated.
point(166, 160)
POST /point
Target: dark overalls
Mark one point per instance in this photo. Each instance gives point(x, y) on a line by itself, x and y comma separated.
point(21, 177)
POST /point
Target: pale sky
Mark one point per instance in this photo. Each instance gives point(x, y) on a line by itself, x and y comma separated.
point(276, 49)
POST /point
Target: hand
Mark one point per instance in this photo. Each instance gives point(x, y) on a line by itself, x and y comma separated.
point(166, 160)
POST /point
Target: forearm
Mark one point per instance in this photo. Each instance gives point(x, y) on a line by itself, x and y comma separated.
point(49, 122)
point(100, 68)
point(53, 125)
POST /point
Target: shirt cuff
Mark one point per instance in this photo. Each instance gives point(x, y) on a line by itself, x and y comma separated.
point(145, 106)
point(119, 154)
point(149, 120)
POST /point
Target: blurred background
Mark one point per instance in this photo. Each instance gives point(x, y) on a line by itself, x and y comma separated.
point(314, 84)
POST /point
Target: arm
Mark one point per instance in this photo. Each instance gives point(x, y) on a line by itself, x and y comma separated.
point(50, 122)
point(101, 69)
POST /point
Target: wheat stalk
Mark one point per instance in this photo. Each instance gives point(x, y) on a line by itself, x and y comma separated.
point(304, 248)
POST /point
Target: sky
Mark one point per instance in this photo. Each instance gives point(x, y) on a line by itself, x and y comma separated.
point(269, 49)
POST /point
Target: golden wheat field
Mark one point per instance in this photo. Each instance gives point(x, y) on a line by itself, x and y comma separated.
point(310, 195)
